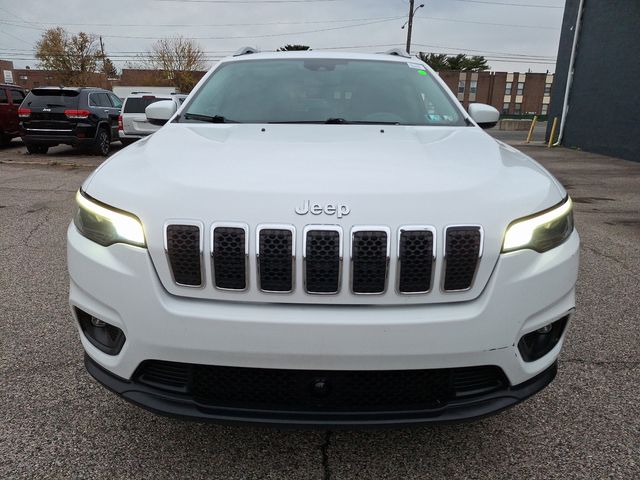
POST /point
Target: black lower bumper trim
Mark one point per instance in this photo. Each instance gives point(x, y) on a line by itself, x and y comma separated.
point(175, 405)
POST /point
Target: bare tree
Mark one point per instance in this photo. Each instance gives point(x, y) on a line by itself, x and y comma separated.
point(177, 58)
point(72, 57)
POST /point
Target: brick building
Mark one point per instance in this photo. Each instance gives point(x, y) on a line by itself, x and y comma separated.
point(511, 93)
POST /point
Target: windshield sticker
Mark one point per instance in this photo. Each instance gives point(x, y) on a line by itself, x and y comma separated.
point(422, 72)
point(415, 65)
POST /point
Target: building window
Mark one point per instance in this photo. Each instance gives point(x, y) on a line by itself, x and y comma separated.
point(507, 88)
point(505, 108)
point(547, 89)
point(461, 84)
point(518, 109)
point(545, 108)
point(473, 88)
point(520, 88)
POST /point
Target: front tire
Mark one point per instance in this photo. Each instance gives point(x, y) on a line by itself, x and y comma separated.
point(37, 149)
point(102, 143)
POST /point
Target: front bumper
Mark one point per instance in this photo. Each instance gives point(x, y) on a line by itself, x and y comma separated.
point(177, 405)
point(119, 285)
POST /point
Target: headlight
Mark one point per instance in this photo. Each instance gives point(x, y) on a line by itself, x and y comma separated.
point(106, 225)
point(541, 231)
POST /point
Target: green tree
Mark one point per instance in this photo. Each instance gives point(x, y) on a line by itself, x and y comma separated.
point(72, 57)
point(437, 61)
point(290, 48)
point(442, 61)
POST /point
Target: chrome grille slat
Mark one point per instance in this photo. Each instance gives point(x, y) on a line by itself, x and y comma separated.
point(230, 254)
point(183, 247)
point(369, 260)
point(275, 253)
point(416, 259)
point(463, 250)
point(322, 259)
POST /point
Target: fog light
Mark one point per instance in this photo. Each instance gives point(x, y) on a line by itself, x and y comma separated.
point(96, 322)
point(102, 335)
point(545, 329)
point(538, 343)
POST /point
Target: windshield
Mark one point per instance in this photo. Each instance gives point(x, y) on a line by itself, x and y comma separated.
point(52, 98)
point(138, 104)
point(323, 91)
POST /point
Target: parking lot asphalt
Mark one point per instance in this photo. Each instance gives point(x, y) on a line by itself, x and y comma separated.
point(56, 422)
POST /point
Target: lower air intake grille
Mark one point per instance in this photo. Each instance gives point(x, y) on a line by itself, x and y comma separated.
point(317, 390)
point(275, 260)
point(416, 261)
point(184, 251)
point(322, 261)
point(230, 258)
point(369, 257)
point(462, 252)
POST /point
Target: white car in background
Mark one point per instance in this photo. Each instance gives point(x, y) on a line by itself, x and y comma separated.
point(132, 123)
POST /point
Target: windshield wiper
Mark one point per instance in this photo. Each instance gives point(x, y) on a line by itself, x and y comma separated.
point(338, 121)
point(208, 118)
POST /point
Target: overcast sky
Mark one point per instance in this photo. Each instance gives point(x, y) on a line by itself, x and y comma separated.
point(515, 35)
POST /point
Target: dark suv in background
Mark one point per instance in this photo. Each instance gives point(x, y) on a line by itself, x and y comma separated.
point(83, 117)
point(11, 96)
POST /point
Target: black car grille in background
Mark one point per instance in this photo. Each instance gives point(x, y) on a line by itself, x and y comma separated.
point(462, 253)
point(415, 256)
point(335, 390)
point(230, 258)
point(184, 251)
point(322, 261)
point(369, 257)
point(275, 260)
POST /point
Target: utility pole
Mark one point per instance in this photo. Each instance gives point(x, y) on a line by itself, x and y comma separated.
point(409, 23)
point(410, 26)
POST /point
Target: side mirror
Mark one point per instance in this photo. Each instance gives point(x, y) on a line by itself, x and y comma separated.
point(158, 113)
point(484, 115)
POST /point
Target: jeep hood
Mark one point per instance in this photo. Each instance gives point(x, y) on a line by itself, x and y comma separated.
point(387, 175)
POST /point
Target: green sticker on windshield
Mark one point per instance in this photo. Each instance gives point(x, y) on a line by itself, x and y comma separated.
point(422, 72)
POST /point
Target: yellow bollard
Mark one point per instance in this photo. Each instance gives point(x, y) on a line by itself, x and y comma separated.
point(553, 132)
point(533, 125)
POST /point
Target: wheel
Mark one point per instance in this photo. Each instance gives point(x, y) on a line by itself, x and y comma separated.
point(37, 149)
point(5, 140)
point(102, 143)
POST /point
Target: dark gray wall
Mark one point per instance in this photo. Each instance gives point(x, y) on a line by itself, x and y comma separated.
point(604, 102)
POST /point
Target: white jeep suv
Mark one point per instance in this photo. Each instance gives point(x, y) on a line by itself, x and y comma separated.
point(323, 239)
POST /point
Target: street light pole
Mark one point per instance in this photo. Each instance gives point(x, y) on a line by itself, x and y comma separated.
point(409, 23)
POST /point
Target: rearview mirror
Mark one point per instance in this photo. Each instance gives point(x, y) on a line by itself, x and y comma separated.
point(484, 115)
point(158, 113)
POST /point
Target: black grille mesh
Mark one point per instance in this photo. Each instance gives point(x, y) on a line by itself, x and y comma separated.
point(350, 390)
point(416, 261)
point(369, 261)
point(322, 261)
point(229, 258)
point(183, 248)
point(462, 251)
point(275, 260)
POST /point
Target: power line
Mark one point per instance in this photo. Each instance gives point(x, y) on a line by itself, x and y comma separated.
point(210, 24)
point(486, 2)
point(424, 17)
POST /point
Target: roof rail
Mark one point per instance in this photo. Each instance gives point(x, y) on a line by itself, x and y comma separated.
point(246, 51)
point(398, 52)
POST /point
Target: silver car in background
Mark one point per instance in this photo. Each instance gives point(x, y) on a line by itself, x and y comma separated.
point(133, 124)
